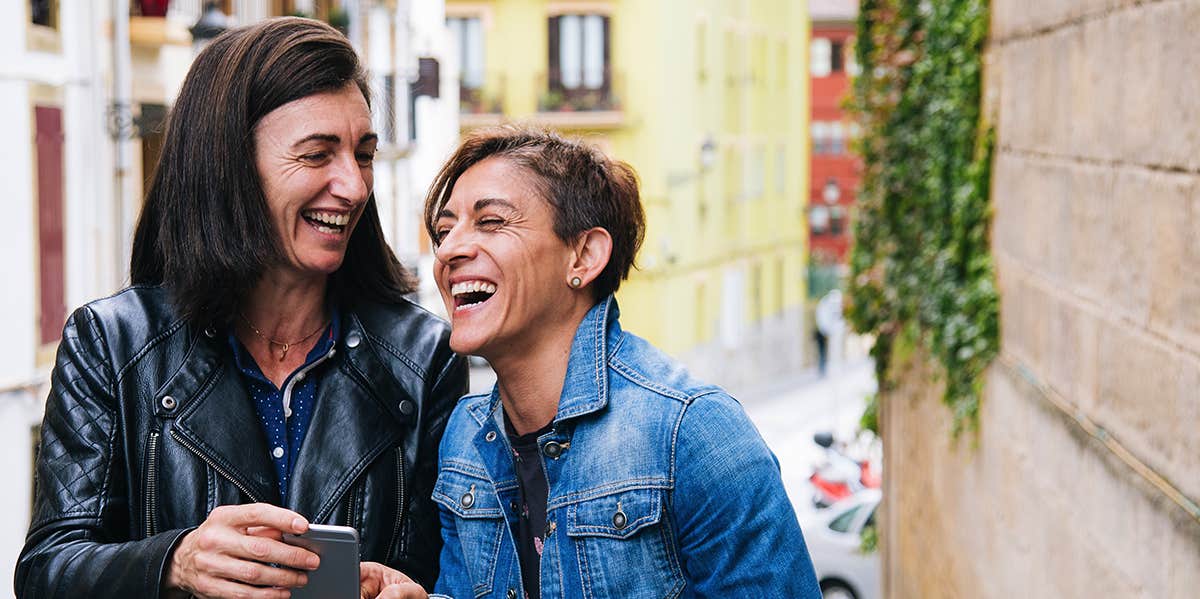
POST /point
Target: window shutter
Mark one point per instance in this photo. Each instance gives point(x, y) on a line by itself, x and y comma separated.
point(51, 272)
point(553, 75)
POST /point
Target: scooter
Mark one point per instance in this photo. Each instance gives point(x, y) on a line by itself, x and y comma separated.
point(840, 476)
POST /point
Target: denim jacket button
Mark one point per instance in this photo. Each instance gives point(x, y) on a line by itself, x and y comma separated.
point(468, 500)
point(619, 520)
point(491, 436)
point(512, 594)
point(552, 450)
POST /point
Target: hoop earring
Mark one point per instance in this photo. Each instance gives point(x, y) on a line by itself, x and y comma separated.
point(576, 282)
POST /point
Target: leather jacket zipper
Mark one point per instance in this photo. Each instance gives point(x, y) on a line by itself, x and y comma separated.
point(152, 483)
point(393, 545)
point(224, 473)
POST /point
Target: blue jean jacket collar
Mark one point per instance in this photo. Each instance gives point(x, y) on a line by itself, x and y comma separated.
point(585, 387)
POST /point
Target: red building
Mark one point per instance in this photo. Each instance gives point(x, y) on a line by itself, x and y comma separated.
point(834, 169)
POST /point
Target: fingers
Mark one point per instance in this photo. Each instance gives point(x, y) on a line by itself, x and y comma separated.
point(260, 514)
point(216, 588)
point(252, 573)
point(267, 550)
point(265, 531)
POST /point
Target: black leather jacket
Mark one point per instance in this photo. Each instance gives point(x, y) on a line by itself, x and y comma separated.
point(148, 427)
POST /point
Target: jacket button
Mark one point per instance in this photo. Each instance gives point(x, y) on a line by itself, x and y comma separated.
point(552, 450)
point(168, 402)
point(468, 500)
point(353, 339)
point(491, 436)
point(619, 520)
point(210, 332)
point(512, 594)
point(406, 407)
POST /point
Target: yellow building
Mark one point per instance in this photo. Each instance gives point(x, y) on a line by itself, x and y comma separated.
point(707, 99)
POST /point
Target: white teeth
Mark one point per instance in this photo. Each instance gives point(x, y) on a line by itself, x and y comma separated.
point(329, 218)
point(472, 287)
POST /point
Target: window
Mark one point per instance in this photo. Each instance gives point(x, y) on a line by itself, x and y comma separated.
point(579, 62)
point(837, 138)
point(818, 219)
point(51, 272)
point(842, 523)
point(837, 220)
point(820, 137)
point(820, 53)
point(837, 56)
point(467, 36)
point(44, 13)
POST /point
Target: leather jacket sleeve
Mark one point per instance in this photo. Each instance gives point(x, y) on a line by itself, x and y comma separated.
point(78, 544)
point(426, 538)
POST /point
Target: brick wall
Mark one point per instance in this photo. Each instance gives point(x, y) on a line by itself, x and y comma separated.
point(1096, 236)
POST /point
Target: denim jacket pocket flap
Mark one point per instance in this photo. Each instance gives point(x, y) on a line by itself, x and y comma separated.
point(466, 495)
point(619, 515)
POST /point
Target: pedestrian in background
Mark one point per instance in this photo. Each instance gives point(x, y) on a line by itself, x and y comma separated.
point(264, 371)
point(597, 466)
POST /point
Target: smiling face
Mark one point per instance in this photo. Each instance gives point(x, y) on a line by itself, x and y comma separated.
point(500, 267)
point(314, 158)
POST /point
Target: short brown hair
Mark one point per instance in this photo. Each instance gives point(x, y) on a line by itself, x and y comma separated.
point(584, 187)
point(205, 232)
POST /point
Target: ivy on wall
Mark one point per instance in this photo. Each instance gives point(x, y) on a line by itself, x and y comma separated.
point(921, 265)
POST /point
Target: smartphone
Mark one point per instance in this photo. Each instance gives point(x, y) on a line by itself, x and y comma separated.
point(337, 576)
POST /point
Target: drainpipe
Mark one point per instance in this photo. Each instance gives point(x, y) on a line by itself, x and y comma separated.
point(121, 129)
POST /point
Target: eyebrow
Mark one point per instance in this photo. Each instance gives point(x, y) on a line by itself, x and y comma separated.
point(480, 204)
point(331, 138)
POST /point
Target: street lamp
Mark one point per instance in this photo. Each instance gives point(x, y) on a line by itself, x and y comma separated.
point(831, 193)
point(708, 154)
point(212, 23)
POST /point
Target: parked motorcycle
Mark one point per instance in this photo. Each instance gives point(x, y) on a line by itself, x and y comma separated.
point(839, 476)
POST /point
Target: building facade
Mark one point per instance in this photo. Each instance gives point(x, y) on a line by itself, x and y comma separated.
point(707, 100)
point(1083, 478)
point(84, 92)
point(835, 168)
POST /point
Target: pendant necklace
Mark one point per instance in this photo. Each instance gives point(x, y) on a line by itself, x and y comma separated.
point(284, 347)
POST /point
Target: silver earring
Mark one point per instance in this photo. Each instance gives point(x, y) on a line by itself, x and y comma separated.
point(576, 282)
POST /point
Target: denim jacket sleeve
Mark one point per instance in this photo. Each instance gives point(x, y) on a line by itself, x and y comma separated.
point(737, 532)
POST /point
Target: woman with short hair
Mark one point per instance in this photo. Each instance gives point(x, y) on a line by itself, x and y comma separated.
point(264, 370)
point(597, 466)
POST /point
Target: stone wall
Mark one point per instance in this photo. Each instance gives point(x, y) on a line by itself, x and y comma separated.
point(1096, 236)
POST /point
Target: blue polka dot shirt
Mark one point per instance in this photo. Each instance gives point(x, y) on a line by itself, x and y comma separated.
point(285, 419)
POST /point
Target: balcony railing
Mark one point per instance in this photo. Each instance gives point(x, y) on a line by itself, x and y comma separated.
point(554, 96)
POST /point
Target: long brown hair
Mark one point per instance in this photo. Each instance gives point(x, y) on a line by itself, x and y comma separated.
point(584, 188)
point(205, 233)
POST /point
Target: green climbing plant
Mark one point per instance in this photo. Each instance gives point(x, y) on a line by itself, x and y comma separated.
point(921, 264)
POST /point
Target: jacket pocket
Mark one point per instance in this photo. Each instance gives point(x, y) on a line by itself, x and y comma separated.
point(479, 522)
point(623, 545)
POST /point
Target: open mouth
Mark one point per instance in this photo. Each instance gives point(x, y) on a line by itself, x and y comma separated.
point(471, 293)
point(331, 223)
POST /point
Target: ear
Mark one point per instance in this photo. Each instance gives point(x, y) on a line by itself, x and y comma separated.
point(589, 256)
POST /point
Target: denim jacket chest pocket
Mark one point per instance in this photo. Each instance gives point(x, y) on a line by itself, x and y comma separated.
point(624, 546)
point(480, 522)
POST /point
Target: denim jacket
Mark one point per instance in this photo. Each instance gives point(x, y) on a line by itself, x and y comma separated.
point(659, 486)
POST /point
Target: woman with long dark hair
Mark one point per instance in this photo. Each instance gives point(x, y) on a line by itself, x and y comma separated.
point(264, 370)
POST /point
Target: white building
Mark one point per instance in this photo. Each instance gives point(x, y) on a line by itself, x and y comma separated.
point(83, 97)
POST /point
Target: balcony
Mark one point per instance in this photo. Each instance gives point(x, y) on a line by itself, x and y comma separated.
point(481, 104)
point(574, 105)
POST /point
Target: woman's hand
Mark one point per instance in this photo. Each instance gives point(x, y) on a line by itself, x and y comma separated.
point(228, 555)
point(377, 581)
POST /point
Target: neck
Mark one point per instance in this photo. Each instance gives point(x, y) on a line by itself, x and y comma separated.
point(531, 377)
point(286, 308)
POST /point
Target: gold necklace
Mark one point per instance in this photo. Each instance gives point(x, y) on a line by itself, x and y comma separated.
point(285, 346)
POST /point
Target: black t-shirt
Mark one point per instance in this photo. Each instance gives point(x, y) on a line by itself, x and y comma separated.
point(531, 526)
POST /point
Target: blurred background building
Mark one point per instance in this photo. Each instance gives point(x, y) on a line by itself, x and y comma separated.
point(835, 167)
point(706, 99)
point(84, 91)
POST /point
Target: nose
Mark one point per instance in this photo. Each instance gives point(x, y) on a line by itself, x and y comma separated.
point(349, 181)
point(457, 245)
